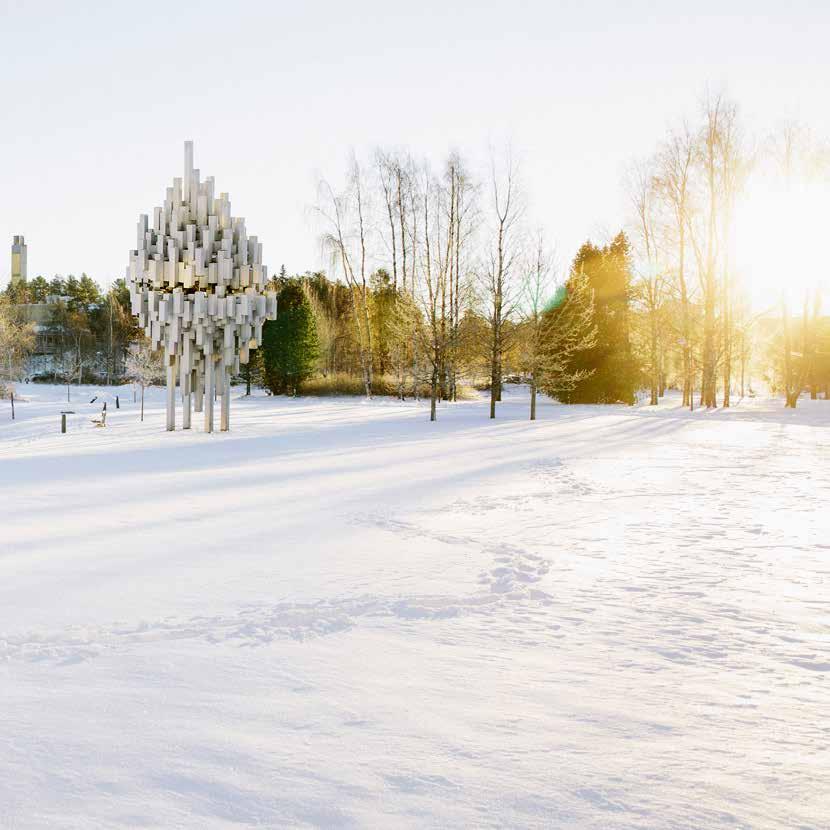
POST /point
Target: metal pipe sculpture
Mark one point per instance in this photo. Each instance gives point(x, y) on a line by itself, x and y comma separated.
point(197, 286)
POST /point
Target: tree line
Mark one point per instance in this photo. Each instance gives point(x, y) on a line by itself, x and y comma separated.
point(82, 332)
point(438, 280)
point(444, 279)
point(697, 328)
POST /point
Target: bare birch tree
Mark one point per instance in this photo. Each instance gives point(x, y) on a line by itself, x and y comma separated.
point(17, 340)
point(705, 242)
point(537, 290)
point(346, 240)
point(650, 287)
point(505, 214)
point(389, 176)
point(438, 226)
point(796, 362)
point(465, 218)
point(733, 171)
point(144, 367)
point(675, 164)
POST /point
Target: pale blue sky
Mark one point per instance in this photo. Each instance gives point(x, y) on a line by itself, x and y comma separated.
point(98, 98)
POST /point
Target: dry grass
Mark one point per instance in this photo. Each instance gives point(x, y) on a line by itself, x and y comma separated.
point(342, 383)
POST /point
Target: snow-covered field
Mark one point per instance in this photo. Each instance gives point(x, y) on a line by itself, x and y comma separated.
point(341, 615)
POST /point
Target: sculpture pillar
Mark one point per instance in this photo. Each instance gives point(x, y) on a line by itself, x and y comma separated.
point(196, 380)
point(209, 380)
point(225, 416)
point(184, 383)
point(171, 391)
point(188, 172)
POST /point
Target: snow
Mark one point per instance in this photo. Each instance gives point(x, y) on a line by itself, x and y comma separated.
point(341, 615)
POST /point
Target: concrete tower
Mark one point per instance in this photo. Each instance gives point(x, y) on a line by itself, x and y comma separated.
point(18, 260)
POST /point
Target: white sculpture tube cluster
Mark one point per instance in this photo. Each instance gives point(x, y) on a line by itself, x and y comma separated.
point(197, 285)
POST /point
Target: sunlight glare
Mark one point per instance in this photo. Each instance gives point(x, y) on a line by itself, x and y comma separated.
point(779, 241)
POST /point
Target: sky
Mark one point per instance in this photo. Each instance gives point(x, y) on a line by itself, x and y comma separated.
point(98, 99)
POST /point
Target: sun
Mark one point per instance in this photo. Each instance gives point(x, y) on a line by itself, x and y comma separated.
point(779, 242)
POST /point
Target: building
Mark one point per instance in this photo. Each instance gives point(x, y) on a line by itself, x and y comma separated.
point(41, 361)
point(102, 357)
point(18, 260)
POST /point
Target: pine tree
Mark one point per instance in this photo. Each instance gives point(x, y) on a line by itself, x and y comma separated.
point(290, 346)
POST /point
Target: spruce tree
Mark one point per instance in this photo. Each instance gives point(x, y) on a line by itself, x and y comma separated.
point(290, 346)
point(610, 373)
point(251, 372)
point(382, 318)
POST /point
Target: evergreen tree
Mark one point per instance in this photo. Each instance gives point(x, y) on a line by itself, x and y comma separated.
point(382, 319)
point(71, 289)
point(38, 290)
point(609, 373)
point(18, 292)
point(112, 324)
point(251, 372)
point(566, 329)
point(88, 292)
point(290, 346)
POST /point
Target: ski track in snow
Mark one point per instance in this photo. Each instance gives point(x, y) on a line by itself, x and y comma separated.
point(610, 618)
